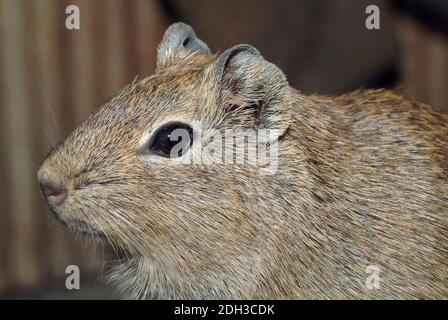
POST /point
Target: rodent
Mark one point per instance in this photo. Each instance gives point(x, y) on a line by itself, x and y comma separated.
point(361, 181)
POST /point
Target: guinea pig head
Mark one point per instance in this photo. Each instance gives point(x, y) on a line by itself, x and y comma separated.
point(134, 172)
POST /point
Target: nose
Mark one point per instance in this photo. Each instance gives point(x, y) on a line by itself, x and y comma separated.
point(54, 194)
point(52, 189)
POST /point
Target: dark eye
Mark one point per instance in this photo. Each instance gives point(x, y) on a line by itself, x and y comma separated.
point(171, 140)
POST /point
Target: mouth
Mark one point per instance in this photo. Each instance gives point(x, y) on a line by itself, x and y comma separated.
point(78, 226)
point(84, 229)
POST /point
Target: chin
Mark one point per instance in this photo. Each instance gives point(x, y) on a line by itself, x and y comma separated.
point(85, 229)
point(80, 227)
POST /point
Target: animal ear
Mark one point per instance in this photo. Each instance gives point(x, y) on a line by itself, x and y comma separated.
point(178, 38)
point(247, 81)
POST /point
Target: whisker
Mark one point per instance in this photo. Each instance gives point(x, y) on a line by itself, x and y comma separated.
point(35, 161)
point(96, 89)
point(53, 118)
point(114, 249)
point(48, 137)
point(94, 85)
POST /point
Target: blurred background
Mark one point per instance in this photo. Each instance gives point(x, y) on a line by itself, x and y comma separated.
point(51, 78)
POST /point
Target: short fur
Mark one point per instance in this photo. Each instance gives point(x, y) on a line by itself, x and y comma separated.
point(362, 180)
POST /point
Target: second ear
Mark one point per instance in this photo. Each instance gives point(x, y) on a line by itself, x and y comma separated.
point(179, 36)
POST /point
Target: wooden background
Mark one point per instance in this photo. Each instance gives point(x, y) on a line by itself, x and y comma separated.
point(51, 78)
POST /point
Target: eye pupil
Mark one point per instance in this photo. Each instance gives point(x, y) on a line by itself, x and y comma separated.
point(172, 140)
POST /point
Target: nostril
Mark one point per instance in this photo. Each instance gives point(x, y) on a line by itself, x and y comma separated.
point(55, 195)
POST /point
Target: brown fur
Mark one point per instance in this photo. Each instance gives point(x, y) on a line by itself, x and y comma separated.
point(362, 180)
